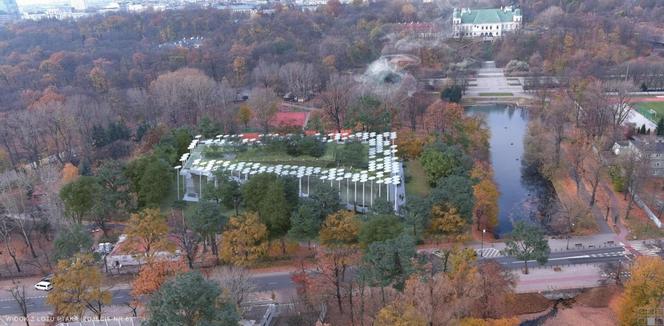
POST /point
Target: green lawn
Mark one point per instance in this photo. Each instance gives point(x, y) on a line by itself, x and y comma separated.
point(646, 109)
point(257, 154)
point(496, 94)
point(416, 184)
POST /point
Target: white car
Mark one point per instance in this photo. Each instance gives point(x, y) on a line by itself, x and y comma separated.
point(44, 286)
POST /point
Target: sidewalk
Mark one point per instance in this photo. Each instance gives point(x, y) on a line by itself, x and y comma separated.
point(570, 277)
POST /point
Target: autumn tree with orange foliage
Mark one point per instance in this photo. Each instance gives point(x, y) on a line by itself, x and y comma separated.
point(442, 117)
point(69, 173)
point(153, 274)
point(485, 211)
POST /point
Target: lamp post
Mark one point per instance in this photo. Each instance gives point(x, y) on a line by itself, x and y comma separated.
point(482, 250)
point(177, 179)
point(569, 235)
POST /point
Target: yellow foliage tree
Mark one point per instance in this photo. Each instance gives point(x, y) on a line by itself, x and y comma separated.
point(399, 315)
point(147, 233)
point(78, 287)
point(410, 145)
point(69, 173)
point(643, 292)
point(244, 241)
point(446, 220)
point(340, 228)
point(244, 115)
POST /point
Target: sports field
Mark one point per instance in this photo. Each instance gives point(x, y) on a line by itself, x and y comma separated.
point(651, 110)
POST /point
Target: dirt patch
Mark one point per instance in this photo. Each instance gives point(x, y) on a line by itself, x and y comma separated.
point(598, 297)
point(529, 303)
point(579, 315)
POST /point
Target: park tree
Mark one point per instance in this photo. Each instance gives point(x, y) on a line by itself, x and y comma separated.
point(456, 191)
point(299, 78)
point(17, 293)
point(79, 288)
point(155, 183)
point(81, 197)
point(399, 314)
point(152, 275)
point(326, 198)
point(244, 241)
point(235, 281)
point(189, 299)
point(264, 104)
point(369, 114)
point(443, 118)
point(148, 231)
point(643, 292)
point(305, 221)
point(620, 107)
point(274, 211)
point(379, 228)
point(446, 220)
point(116, 186)
point(452, 93)
point(445, 297)
point(71, 241)
point(336, 99)
point(207, 220)
point(333, 263)
point(340, 228)
point(486, 195)
point(266, 74)
point(556, 117)
point(69, 173)
point(416, 216)
point(389, 262)
point(527, 242)
point(226, 191)
point(244, 115)
point(440, 161)
point(410, 145)
point(496, 290)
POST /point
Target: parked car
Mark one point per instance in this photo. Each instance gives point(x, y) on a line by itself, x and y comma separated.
point(44, 286)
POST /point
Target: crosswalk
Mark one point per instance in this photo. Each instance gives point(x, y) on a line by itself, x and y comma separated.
point(645, 249)
point(488, 253)
point(608, 254)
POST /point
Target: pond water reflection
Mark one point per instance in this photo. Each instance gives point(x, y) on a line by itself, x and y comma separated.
point(523, 195)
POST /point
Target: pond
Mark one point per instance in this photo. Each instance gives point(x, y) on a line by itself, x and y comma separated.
point(523, 195)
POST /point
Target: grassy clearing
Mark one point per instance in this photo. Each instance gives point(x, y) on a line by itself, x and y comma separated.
point(256, 154)
point(647, 108)
point(416, 179)
point(496, 94)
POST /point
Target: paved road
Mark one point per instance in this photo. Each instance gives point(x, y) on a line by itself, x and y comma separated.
point(282, 281)
point(37, 303)
point(572, 257)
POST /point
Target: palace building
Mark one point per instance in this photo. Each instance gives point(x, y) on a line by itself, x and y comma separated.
point(485, 23)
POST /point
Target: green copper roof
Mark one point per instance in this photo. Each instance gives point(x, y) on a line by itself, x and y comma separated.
point(486, 16)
